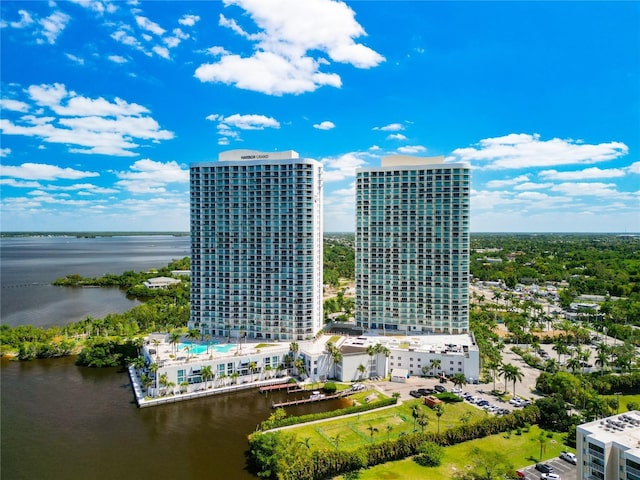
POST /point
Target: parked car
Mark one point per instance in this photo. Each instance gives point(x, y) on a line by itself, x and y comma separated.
point(569, 457)
point(425, 391)
point(440, 388)
point(550, 476)
point(415, 394)
point(482, 403)
point(544, 468)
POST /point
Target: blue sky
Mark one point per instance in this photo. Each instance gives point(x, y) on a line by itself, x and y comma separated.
point(105, 104)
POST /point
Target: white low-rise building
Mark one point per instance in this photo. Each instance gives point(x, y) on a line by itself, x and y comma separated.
point(180, 365)
point(609, 449)
point(161, 282)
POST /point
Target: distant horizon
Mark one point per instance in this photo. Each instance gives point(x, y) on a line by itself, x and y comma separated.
point(541, 99)
point(185, 233)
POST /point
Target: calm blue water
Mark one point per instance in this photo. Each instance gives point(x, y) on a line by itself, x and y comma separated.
point(197, 348)
point(28, 265)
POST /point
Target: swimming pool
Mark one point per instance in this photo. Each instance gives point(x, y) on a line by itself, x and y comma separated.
point(197, 348)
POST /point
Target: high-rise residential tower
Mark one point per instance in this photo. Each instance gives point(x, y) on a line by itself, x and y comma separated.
point(412, 246)
point(256, 246)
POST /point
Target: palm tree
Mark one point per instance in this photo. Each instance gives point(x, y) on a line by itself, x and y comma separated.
point(153, 368)
point(389, 428)
point(222, 378)
point(371, 351)
point(268, 370)
point(174, 339)
point(156, 344)
point(459, 380)
point(361, 369)
point(372, 430)
point(207, 374)
point(146, 381)
point(425, 370)
point(193, 334)
point(234, 377)
point(423, 420)
point(542, 440)
point(602, 360)
point(164, 381)
point(415, 413)
point(439, 409)
point(494, 366)
point(511, 373)
point(436, 363)
point(573, 364)
point(252, 368)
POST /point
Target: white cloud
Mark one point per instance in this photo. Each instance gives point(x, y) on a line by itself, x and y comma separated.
point(227, 125)
point(14, 105)
point(146, 24)
point(161, 51)
point(584, 189)
point(91, 126)
point(326, 125)
point(25, 20)
point(41, 171)
point(5, 152)
point(148, 176)
point(532, 186)
point(189, 20)
point(344, 166)
point(507, 182)
point(74, 58)
point(392, 127)
point(12, 182)
point(525, 151)
point(287, 31)
point(117, 59)
point(410, 149)
point(586, 174)
point(53, 25)
point(217, 51)
point(46, 30)
point(634, 168)
point(396, 136)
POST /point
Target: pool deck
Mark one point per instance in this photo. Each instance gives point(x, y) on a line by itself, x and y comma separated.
point(201, 392)
point(167, 354)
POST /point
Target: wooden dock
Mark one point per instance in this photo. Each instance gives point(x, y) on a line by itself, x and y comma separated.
point(302, 401)
point(279, 386)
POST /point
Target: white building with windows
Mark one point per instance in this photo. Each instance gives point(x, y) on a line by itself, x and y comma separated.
point(609, 449)
point(412, 246)
point(256, 246)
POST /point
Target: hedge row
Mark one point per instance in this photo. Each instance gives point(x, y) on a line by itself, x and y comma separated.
point(288, 421)
point(278, 456)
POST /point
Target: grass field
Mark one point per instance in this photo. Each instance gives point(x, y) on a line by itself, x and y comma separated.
point(521, 450)
point(351, 432)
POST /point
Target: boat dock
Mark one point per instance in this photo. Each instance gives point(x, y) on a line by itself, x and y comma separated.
point(312, 399)
point(282, 386)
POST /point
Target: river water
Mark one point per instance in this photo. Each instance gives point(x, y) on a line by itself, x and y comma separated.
point(63, 422)
point(28, 265)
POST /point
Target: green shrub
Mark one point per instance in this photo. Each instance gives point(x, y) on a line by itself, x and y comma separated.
point(330, 387)
point(430, 455)
point(448, 397)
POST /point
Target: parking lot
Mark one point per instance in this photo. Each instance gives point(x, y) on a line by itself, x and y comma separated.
point(566, 470)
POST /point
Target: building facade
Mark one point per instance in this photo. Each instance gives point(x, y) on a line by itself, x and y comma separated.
point(256, 246)
point(412, 246)
point(609, 449)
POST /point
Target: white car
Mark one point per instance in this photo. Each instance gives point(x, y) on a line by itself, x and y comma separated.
point(550, 476)
point(569, 457)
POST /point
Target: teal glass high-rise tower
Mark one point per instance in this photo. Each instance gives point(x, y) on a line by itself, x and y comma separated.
point(256, 246)
point(412, 246)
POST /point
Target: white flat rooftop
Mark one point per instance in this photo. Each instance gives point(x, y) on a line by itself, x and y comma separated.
point(623, 429)
point(429, 343)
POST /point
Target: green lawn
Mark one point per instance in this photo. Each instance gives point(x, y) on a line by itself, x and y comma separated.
point(354, 431)
point(522, 450)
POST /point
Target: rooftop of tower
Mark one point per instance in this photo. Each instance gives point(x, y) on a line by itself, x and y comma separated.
point(240, 155)
point(409, 161)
